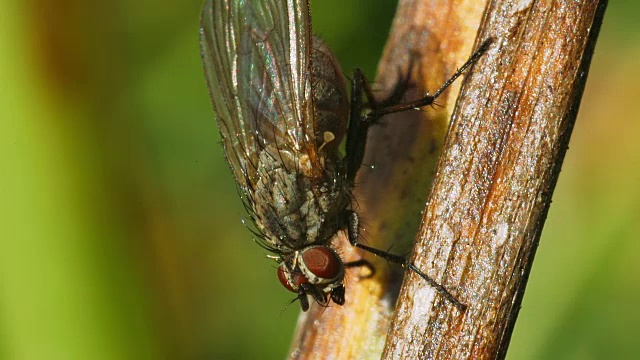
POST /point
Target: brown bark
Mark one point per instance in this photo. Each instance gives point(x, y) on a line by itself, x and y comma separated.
point(493, 184)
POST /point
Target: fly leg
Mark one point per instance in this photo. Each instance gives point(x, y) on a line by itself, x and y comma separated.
point(353, 230)
point(358, 126)
point(360, 123)
point(429, 99)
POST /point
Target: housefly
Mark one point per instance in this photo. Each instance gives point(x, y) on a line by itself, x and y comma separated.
point(280, 100)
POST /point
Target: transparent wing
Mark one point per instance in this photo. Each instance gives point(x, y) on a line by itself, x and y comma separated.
point(256, 56)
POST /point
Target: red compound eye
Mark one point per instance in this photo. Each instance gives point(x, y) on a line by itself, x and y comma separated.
point(296, 279)
point(323, 262)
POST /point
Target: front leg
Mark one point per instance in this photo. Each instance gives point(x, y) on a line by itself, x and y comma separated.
point(353, 229)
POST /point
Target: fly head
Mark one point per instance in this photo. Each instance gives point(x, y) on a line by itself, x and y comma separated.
point(315, 271)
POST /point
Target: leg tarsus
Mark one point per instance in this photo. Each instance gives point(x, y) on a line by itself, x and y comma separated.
point(439, 288)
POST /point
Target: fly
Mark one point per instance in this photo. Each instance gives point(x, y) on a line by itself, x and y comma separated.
point(280, 100)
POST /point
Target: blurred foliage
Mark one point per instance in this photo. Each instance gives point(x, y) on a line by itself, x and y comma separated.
point(121, 234)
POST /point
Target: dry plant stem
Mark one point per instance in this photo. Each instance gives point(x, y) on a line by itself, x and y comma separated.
point(494, 181)
point(428, 41)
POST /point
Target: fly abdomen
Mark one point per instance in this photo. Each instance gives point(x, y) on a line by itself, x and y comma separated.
point(290, 208)
point(284, 201)
point(329, 96)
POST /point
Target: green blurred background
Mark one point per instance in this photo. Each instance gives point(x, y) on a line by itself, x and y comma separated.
point(121, 235)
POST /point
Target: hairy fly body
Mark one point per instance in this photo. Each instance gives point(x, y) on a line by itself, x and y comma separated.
point(281, 104)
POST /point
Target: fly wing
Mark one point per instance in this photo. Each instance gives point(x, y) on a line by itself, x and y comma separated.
point(256, 56)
